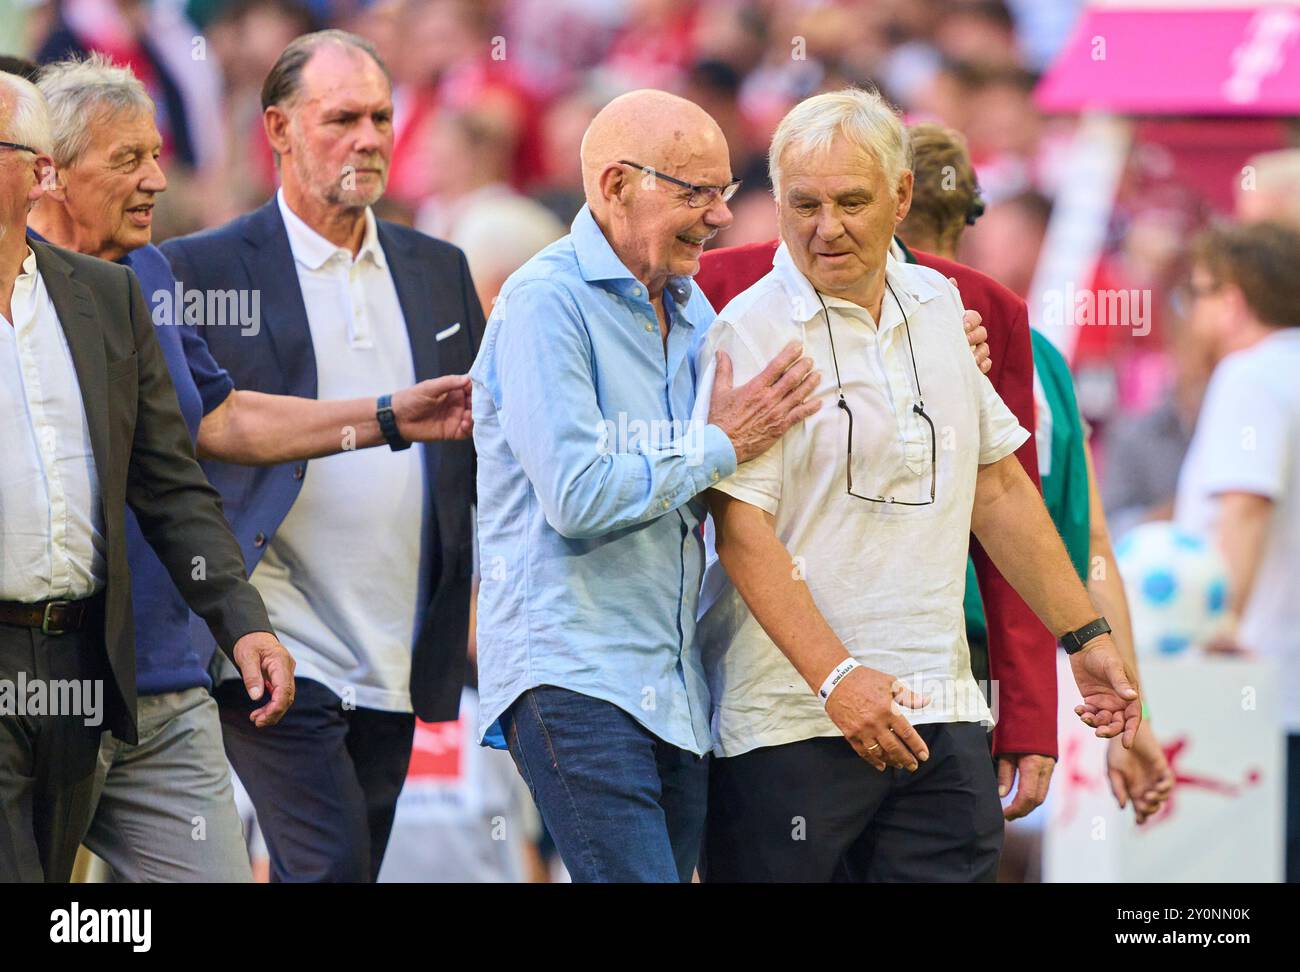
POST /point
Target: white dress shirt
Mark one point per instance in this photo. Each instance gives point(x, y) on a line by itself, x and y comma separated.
point(341, 576)
point(888, 578)
point(51, 520)
point(1247, 440)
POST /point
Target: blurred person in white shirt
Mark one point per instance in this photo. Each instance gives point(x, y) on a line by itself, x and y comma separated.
point(1240, 484)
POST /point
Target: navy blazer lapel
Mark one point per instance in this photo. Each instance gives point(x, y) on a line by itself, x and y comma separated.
point(75, 305)
point(271, 268)
point(411, 279)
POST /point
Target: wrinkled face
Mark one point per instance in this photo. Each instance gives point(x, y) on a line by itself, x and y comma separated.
point(340, 129)
point(111, 189)
point(837, 213)
point(658, 232)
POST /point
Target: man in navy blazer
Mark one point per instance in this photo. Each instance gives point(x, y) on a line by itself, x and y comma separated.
point(364, 561)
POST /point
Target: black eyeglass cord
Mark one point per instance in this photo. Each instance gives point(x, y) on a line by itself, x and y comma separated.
point(918, 406)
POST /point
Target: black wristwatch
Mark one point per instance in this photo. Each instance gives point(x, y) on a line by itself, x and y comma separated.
point(1073, 641)
point(388, 424)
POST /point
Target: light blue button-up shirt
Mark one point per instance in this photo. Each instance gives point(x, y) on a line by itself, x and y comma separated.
point(589, 466)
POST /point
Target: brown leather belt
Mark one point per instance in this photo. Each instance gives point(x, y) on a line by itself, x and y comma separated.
point(52, 617)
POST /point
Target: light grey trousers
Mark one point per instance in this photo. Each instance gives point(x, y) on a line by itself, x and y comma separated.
point(164, 809)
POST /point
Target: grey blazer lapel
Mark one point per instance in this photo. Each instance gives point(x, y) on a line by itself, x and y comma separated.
point(75, 305)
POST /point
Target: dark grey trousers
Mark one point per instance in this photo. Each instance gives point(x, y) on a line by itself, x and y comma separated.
point(815, 811)
point(47, 761)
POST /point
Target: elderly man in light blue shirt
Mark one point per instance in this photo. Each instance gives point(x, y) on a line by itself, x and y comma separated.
point(588, 517)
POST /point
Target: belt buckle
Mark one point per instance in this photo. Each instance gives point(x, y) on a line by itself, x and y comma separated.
point(46, 628)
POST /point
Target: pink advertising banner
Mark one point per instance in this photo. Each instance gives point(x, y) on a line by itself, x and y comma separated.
point(1179, 61)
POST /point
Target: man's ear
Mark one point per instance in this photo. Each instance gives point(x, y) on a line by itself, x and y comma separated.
point(276, 125)
point(904, 195)
point(613, 183)
point(49, 181)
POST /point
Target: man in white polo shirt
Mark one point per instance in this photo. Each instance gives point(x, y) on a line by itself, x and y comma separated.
point(841, 551)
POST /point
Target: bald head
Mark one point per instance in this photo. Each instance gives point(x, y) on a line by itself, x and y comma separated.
point(652, 128)
point(657, 227)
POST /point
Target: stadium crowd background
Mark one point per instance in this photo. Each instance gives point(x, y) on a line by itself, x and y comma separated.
point(492, 98)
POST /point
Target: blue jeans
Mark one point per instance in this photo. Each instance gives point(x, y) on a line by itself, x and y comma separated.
point(620, 803)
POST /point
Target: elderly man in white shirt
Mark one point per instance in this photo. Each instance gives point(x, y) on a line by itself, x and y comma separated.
point(841, 552)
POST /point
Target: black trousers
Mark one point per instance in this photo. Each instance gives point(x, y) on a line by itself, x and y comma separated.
point(324, 780)
point(815, 811)
point(47, 761)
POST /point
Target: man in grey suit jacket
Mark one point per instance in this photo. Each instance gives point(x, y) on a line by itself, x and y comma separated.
point(90, 423)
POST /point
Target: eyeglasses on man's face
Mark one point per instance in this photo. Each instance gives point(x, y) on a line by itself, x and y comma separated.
point(701, 196)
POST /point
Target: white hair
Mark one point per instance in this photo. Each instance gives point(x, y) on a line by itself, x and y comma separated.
point(861, 116)
point(28, 120)
point(78, 89)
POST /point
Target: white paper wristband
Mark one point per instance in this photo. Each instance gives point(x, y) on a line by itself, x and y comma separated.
point(835, 677)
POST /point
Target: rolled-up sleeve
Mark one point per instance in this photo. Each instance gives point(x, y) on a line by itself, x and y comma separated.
point(1000, 431)
point(541, 376)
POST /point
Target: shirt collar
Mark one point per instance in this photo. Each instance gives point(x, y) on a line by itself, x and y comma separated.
point(313, 251)
point(597, 261)
point(910, 287)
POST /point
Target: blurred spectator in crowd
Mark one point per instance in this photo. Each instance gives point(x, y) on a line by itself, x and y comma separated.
point(469, 156)
point(1120, 355)
point(1269, 188)
point(1008, 239)
point(501, 235)
point(245, 37)
point(1241, 482)
point(978, 32)
point(654, 48)
point(1145, 451)
point(162, 49)
point(560, 186)
point(447, 57)
point(714, 86)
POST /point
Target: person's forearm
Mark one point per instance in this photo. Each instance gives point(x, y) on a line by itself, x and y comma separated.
point(255, 429)
point(1244, 520)
point(1105, 585)
point(1012, 524)
point(761, 569)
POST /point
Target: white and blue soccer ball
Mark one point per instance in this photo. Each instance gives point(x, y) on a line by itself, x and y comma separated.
point(1177, 587)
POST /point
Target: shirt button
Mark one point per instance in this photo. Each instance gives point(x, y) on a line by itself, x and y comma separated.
point(714, 476)
point(260, 539)
point(299, 471)
point(666, 505)
point(649, 327)
point(636, 291)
